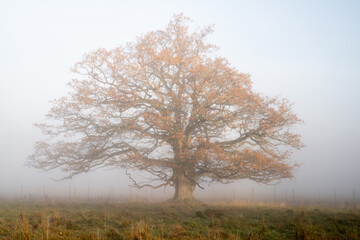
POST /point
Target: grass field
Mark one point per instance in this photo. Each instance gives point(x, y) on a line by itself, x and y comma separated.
point(57, 220)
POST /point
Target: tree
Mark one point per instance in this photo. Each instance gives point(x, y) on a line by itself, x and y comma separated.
point(167, 105)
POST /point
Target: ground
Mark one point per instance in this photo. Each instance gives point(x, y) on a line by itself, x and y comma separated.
point(136, 220)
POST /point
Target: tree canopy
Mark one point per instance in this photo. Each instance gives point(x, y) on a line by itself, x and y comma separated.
point(167, 105)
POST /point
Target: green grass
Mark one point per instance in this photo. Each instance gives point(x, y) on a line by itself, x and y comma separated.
point(58, 220)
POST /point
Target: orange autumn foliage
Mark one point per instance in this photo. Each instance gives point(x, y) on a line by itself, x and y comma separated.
point(167, 105)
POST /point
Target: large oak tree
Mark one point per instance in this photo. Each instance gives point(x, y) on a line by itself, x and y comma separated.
point(167, 105)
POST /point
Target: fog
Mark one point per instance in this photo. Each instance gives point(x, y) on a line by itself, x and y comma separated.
point(306, 51)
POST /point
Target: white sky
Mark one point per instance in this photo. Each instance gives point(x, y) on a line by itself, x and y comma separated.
point(307, 51)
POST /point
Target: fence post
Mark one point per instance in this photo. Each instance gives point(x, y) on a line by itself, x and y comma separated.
point(274, 194)
point(354, 198)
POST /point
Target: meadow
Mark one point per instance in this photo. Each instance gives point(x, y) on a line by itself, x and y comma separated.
point(138, 220)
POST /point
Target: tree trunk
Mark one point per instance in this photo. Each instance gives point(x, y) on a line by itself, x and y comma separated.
point(183, 189)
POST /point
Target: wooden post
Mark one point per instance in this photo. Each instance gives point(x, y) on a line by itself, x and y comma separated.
point(275, 194)
point(70, 192)
point(130, 192)
point(214, 197)
point(233, 193)
point(21, 192)
point(354, 198)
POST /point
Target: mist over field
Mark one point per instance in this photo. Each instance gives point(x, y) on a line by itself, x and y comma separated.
point(307, 52)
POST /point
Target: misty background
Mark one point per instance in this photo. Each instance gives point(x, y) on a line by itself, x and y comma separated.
point(306, 51)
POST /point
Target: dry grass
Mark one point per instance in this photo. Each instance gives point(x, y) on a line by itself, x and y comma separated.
point(168, 221)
